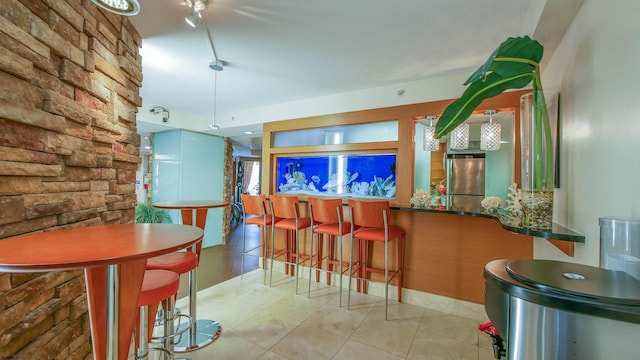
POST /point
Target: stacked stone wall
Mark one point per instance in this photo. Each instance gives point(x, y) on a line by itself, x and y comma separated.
point(70, 75)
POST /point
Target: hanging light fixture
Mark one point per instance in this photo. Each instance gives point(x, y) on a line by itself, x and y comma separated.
point(430, 143)
point(120, 7)
point(216, 66)
point(490, 133)
point(193, 18)
point(196, 7)
point(460, 137)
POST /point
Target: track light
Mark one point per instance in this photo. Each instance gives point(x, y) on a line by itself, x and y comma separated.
point(193, 18)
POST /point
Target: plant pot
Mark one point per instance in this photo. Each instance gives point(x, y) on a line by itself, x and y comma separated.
point(537, 139)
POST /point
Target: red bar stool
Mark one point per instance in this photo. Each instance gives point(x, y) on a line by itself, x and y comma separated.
point(370, 219)
point(255, 210)
point(327, 219)
point(287, 208)
point(157, 286)
point(184, 262)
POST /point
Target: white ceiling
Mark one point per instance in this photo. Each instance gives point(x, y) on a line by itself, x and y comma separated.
point(277, 51)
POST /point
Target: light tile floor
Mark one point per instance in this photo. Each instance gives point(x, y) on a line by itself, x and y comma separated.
point(259, 322)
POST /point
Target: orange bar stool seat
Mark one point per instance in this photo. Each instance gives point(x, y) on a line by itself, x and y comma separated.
point(256, 211)
point(370, 219)
point(182, 262)
point(327, 220)
point(285, 211)
point(157, 286)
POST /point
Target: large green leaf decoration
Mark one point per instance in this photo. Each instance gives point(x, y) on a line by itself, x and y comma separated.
point(511, 66)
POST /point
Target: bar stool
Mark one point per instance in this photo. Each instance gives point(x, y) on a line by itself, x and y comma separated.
point(157, 286)
point(183, 262)
point(370, 219)
point(255, 212)
point(327, 219)
point(287, 209)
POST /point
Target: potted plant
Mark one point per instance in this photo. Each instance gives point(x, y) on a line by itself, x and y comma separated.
point(147, 214)
point(514, 65)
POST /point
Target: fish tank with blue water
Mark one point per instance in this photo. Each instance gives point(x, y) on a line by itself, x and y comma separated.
point(358, 175)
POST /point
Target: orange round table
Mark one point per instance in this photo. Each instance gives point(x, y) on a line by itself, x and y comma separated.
point(113, 258)
point(203, 332)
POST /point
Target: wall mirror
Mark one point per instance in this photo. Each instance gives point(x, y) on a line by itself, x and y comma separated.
point(433, 167)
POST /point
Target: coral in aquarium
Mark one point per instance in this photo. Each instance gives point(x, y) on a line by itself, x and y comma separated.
point(297, 181)
point(384, 188)
point(336, 185)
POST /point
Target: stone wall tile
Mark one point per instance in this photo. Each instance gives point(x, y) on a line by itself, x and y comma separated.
point(126, 110)
point(65, 186)
point(5, 285)
point(74, 74)
point(55, 208)
point(79, 130)
point(81, 158)
point(111, 216)
point(58, 104)
point(27, 226)
point(132, 68)
point(20, 92)
point(18, 185)
point(15, 134)
point(13, 168)
point(17, 13)
point(15, 64)
point(23, 155)
point(64, 29)
point(11, 209)
point(111, 70)
point(131, 96)
point(77, 216)
point(104, 160)
point(99, 49)
point(99, 185)
point(58, 44)
point(68, 12)
point(108, 174)
point(33, 117)
point(46, 81)
point(23, 37)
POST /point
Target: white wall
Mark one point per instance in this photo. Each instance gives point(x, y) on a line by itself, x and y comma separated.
point(596, 70)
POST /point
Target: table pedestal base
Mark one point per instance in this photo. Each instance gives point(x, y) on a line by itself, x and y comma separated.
point(207, 331)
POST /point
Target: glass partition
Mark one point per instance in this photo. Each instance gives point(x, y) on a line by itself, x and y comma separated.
point(348, 134)
point(361, 175)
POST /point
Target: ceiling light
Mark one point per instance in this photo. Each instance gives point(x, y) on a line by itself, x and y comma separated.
point(248, 132)
point(460, 137)
point(193, 18)
point(430, 143)
point(490, 133)
point(120, 7)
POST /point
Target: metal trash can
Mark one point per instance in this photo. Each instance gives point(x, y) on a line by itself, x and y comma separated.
point(620, 245)
point(553, 310)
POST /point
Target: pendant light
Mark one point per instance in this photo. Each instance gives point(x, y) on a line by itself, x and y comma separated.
point(430, 143)
point(490, 133)
point(459, 139)
point(216, 66)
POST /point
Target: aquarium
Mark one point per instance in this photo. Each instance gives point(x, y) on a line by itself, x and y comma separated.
point(371, 175)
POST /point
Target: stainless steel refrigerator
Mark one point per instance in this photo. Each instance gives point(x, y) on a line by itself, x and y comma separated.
point(465, 183)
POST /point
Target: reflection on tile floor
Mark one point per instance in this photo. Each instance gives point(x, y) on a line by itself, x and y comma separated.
point(259, 322)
